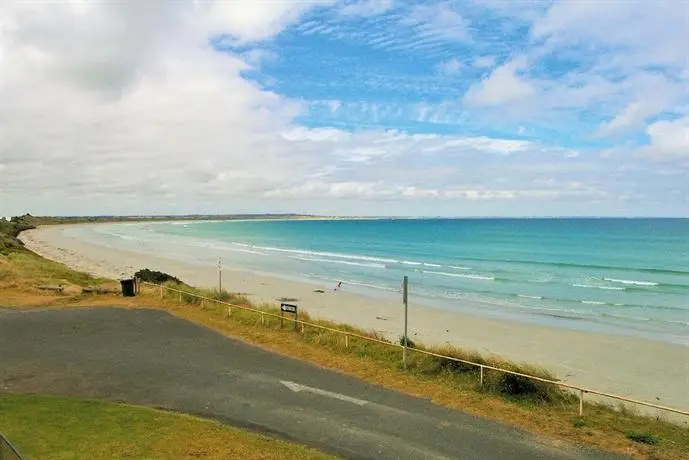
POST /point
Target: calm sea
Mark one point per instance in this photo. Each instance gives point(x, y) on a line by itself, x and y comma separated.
point(628, 276)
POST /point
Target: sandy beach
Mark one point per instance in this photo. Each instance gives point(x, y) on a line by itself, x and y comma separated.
point(649, 370)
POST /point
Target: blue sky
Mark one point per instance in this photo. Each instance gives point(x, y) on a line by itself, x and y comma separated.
point(372, 107)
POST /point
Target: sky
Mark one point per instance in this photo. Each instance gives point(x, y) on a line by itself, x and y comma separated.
point(356, 107)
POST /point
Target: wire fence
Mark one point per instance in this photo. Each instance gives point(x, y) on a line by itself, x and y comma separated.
point(581, 391)
point(7, 451)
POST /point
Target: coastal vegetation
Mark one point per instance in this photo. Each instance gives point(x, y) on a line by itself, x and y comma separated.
point(51, 427)
point(534, 406)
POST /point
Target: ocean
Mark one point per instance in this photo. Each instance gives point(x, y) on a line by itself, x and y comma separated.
point(619, 276)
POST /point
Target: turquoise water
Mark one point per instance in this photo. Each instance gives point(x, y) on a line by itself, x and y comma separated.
point(628, 276)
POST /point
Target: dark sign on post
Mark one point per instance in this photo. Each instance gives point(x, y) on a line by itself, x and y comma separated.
point(288, 308)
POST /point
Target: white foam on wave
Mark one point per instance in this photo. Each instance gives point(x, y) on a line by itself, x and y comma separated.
point(335, 255)
point(426, 264)
point(525, 296)
point(344, 262)
point(592, 302)
point(116, 235)
point(409, 262)
point(607, 288)
point(459, 275)
point(460, 268)
point(632, 282)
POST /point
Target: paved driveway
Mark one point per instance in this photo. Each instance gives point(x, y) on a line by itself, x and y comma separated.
point(151, 358)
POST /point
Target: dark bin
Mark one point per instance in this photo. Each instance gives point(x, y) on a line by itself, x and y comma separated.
point(128, 288)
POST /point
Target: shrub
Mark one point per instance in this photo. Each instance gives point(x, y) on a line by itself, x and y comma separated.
point(410, 343)
point(643, 438)
point(153, 276)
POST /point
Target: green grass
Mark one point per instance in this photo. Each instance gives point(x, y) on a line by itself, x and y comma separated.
point(48, 427)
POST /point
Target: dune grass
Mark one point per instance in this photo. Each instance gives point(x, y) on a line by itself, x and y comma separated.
point(24, 269)
point(543, 409)
point(49, 427)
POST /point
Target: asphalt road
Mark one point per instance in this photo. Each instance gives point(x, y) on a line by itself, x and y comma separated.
point(151, 358)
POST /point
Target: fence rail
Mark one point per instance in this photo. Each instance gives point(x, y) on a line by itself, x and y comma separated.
point(482, 367)
point(7, 451)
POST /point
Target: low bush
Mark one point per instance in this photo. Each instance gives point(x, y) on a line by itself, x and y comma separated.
point(643, 438)
point(154, 276)
point(410, 342)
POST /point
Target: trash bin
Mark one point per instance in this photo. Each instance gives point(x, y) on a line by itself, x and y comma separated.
point(128, 288)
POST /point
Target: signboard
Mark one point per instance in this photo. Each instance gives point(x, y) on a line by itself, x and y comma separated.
point(288, 308)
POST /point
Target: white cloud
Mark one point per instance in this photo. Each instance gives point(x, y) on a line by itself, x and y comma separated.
point(450, 67)
point(123, 107)
point(503, 86)
point(366, 7)
point(256, 57)
point(484, 62)
point(121, 99)
point(668, 138)
point(439, 20)
point(640, 33)
point(633, 116)
point(249, 20)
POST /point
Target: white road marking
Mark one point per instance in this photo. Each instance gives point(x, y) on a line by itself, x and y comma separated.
point(296, 387)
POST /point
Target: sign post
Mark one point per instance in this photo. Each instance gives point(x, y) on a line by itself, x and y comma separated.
point(288, 308)
point(405, 296)
point(219, 275)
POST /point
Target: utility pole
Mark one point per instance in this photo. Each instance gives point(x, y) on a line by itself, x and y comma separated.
point(405, 296)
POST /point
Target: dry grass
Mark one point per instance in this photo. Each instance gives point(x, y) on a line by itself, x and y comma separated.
point(49, 427)
point(448, 384)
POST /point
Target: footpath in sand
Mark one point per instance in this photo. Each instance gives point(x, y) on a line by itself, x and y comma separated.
point(643, 369)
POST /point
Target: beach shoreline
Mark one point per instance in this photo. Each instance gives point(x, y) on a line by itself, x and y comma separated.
point(635, 367)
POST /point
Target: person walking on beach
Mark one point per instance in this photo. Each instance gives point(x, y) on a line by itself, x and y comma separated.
point(339, 285)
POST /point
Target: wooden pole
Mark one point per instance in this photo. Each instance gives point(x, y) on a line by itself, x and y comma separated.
point(405, 291)
point(219, 275)
point(581, 403)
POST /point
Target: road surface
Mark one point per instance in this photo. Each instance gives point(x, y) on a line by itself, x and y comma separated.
point(151, 358)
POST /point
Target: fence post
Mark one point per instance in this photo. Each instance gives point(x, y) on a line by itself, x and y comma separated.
point(282, 319)
point(161, 291)
point(229, 311)
point(263, 319)
point(180, 297)
point(481, 375)
point(346, 340)
point(302, 328)
point(581, 402)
